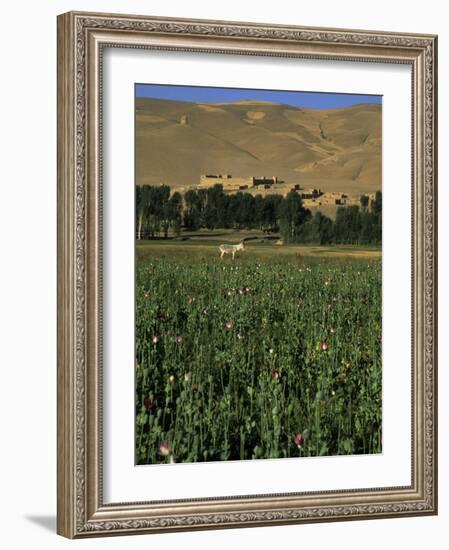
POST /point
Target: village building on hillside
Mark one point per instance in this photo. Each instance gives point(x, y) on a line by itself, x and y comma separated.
point(231, 183)
point(308, 193)
point(312, 197)
point(333, 198)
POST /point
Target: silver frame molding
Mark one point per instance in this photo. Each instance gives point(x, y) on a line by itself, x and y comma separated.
point(81, 39)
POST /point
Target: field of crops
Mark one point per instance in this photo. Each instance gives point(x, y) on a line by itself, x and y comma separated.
point(249, 360)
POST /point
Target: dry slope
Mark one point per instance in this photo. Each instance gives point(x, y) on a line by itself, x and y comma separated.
point(337, 150)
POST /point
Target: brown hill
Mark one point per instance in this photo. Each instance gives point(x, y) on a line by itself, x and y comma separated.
point(336, 150)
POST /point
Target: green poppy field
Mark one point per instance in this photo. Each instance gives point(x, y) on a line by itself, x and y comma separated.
point(248, 359)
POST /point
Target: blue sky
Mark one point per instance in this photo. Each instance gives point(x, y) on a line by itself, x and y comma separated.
point(309, 100)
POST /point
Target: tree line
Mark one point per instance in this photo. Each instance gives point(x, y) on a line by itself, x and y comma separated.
point(158, 211)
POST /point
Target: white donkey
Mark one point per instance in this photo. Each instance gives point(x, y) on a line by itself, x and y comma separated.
point(230, 249)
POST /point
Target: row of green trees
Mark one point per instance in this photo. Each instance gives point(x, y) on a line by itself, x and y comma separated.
point(158, 211)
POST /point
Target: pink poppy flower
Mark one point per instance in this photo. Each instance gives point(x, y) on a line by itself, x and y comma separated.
point(154, 339)
point(324, 346)
point(164, 449)
point(298, 440)
point(229, 325)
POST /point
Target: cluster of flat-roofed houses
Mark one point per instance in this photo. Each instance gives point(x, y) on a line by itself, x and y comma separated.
point(264, 184)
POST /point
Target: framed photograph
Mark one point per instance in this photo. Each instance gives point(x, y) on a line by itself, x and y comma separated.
point(247, 274)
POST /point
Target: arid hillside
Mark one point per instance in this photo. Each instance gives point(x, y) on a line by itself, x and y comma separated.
point(336, 150)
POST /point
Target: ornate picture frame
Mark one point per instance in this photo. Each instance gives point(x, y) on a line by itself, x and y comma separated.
point(82, 40)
